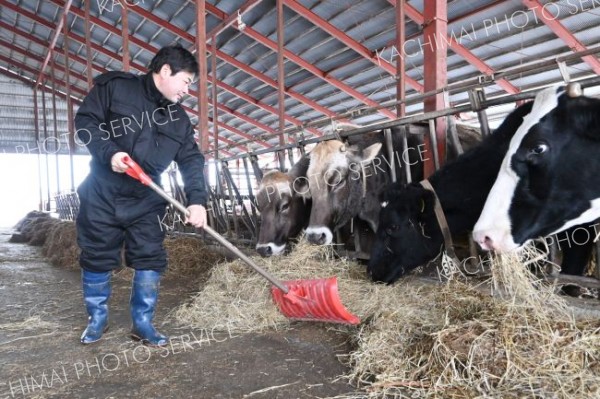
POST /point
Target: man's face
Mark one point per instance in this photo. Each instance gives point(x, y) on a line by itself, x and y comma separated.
point(174, 87)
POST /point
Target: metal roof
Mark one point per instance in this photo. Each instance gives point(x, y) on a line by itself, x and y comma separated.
point(323, 70)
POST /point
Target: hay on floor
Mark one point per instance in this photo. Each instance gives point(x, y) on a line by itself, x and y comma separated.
point(513, 339)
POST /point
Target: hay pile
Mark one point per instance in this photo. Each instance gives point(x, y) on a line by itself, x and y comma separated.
point(190, 256)
point(61, 247)
point(511, 338)
point(34, 228)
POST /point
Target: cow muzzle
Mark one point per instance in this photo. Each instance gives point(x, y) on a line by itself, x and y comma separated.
point(495, 240)
point(270, 249)
point(319, 235)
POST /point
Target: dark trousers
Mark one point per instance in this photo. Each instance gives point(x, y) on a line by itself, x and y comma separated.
point(110, 217)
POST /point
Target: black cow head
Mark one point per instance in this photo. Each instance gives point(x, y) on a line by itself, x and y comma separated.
point(284, 211)
point(408, 234)
point(549, 179)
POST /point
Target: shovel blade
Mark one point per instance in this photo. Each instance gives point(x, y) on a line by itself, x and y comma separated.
point(313, 300)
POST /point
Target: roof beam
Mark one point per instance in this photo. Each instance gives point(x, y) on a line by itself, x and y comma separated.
point(459, 49)
point(562, 32)
point(113, 55)
point(348, 41)
point(34, 71)
point(272, 45)
point(232, 18)
point(54, 39)
point(154, 50)
point(83, 93)
point(227, 58)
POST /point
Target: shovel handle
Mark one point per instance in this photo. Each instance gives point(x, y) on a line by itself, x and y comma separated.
point(134, 170)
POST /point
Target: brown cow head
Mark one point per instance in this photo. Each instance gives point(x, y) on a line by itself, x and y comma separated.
point(337, 188)
point(283, 210)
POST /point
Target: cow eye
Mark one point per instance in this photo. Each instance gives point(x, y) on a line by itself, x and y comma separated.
point(339, 184)
point(391, 230)
point(284, 207)
point(538, 149)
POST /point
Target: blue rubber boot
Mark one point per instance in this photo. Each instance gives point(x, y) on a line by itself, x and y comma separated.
point(96, 291)
point(144, 296)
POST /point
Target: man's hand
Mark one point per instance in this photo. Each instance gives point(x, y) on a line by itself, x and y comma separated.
point(197, 216)
point(117, 164)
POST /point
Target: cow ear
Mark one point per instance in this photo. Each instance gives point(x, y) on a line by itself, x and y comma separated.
point(300, 168)
point(300, 187)
point(371, 152)
point(427, 202)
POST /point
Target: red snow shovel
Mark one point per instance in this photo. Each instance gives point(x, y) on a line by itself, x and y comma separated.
point(310, 300)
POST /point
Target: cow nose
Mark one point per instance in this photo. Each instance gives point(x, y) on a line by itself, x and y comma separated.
point(264, 251)
point(317, 238)
point(484, 240)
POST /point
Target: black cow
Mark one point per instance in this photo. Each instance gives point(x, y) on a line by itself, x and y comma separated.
point(549, 180)
point(409, 234)
point(284, 211)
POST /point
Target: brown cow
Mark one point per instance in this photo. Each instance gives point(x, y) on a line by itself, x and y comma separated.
point(284, 211)
point(346, 181)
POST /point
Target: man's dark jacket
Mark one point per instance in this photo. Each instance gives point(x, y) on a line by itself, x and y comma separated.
point(125, 112)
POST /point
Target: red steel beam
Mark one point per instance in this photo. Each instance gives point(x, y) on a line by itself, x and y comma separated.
point(281, 80)
point(202, 74)
point(70, 116)
point(34, 71)
point(88, 47)
point(37, 58)
point(231, 19)
point(562, 32)
point(215, 111)
point(435, 71)
point(53, 41)
point(317, 72)
point(348, 41)
point(400, 62)
point(125, 35)
point(247, 119)
point(444, 39)
point(268, 108)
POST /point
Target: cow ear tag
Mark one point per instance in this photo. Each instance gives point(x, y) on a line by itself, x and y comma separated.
point(574, 90)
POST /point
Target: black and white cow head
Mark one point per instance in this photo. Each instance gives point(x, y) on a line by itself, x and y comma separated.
point(408, 235)
point(550, 177)
point(337, 188)
point(284, 211)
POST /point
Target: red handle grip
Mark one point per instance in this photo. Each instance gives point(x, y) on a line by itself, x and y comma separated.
point(134, 170)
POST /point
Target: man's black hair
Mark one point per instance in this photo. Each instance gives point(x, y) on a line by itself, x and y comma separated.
point(178, 58)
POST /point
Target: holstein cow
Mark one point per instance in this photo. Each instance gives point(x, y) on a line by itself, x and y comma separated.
point(345, 181)
point(409, 234)
point(284, 212)
point(549, 180)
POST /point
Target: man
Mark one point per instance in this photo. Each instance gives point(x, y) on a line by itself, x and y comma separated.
point(125, 115)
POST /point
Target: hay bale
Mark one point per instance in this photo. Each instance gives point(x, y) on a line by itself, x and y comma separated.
point(61, 247)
